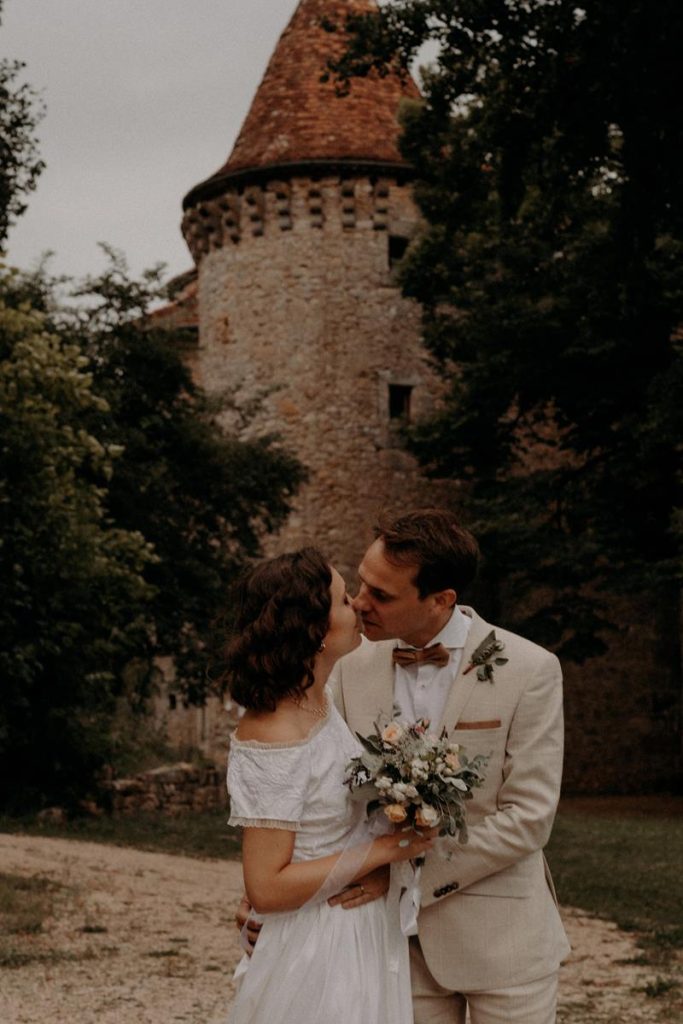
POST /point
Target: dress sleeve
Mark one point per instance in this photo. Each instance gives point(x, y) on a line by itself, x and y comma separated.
point(267, 786)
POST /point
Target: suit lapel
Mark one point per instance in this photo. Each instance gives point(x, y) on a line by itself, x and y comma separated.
point(463, 685)
point(372, 695)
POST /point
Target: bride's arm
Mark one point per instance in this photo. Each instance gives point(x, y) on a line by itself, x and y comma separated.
point(274, 883)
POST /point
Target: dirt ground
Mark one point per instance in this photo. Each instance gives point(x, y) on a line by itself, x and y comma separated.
point(148, 938)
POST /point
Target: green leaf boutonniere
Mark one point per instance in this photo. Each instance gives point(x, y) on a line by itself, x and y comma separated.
point(484, 658)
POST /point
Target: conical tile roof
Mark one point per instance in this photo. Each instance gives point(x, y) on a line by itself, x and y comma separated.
point(295, 119)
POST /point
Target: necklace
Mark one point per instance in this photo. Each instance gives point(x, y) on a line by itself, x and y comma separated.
point(318, 712)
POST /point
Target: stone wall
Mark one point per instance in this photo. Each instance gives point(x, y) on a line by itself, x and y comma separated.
point(300, 314)
point(189, 728)
point(173, 790)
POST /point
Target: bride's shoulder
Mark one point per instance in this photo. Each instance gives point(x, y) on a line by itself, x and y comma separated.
point(271, 728)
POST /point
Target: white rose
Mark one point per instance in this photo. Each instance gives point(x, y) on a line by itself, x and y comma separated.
point(427, 816)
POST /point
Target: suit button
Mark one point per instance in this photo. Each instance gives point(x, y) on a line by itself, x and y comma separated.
point(445, 889)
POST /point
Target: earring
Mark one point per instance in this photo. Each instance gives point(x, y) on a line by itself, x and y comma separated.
point(322, 646)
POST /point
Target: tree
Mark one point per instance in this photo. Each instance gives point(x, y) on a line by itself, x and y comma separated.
point(20, 164)
point(73, 595)
point(126, 512)
point(547, 163)
point(202, 496)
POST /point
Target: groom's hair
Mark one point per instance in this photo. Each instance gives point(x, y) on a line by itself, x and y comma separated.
point(444, 553)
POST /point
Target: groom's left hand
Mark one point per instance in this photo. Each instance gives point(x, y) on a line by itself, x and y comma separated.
point(368, 888)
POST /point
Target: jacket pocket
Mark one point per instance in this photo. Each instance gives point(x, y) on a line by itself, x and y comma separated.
point(491, 723)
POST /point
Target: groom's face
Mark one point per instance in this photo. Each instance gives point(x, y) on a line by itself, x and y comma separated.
point(390, 605)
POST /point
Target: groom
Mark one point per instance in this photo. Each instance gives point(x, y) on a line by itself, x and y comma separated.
point(489, 932)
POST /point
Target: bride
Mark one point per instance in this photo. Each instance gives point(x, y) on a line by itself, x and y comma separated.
point(304, 840)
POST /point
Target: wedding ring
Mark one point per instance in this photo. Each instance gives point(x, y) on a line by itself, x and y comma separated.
point(362, 890)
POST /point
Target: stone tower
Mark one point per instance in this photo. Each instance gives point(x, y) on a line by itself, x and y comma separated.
point(296, 239)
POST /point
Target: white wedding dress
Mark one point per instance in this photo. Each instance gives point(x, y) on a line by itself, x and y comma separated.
point(319, 964)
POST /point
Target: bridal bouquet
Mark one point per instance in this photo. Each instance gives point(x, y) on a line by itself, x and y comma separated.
point(418, 779)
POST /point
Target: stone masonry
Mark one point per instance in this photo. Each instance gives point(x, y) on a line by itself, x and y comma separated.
point(307, 319)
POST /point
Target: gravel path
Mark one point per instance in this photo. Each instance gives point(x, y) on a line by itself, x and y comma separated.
point(147, 938)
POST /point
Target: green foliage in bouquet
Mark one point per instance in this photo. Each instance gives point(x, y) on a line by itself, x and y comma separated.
point(418, 779)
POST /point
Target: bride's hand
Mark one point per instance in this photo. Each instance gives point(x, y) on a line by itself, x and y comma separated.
point(408, 844)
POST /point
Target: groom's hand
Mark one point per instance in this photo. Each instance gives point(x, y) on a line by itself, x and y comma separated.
point(242, 918)
point(368, 888)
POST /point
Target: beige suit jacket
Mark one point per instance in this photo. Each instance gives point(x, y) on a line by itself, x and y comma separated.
point(489, 917)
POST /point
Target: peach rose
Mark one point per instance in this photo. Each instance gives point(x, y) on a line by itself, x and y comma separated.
point(453, 761)
point(392, 733)
point(395, 813)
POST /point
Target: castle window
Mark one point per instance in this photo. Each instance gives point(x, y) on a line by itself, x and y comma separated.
point(399, 402)
point(397, 249)
point(172, 702)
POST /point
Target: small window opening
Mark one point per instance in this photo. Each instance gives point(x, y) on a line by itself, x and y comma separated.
point(172, 702)
point(399, 402)
point(397, 249)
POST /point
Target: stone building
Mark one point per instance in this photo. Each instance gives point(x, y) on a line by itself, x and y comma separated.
point(295, 240)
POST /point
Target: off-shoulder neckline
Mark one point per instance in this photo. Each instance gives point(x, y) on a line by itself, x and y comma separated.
point(283, 744)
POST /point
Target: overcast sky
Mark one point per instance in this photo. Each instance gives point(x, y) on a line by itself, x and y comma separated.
point(144, 99)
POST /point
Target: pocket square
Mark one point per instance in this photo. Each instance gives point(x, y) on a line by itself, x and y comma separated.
point(493, 723)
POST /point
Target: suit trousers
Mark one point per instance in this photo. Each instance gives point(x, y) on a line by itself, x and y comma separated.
point(532, 1003)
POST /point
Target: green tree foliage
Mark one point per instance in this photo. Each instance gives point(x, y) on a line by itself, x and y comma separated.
point(20, 164)
point(200, 495)
point(72, 588)
point(126, 512)
point(547, 157)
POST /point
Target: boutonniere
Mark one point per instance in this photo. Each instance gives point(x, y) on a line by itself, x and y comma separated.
point(483, 659)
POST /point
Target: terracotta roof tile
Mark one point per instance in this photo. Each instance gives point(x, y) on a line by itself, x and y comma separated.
point(295, 118)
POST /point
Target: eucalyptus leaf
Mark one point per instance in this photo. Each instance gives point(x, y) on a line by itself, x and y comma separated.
point(373, 762)
point(370, 744)
point(367, 791)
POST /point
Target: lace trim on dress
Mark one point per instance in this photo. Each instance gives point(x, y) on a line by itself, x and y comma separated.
point(289, 826)
point(284, 745)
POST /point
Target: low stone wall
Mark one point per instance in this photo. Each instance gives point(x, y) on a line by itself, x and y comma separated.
point(173, 789)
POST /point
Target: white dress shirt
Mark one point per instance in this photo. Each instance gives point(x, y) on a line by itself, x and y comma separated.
point(421, 690)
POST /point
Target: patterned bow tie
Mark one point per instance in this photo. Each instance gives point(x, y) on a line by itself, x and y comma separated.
point(437, 654)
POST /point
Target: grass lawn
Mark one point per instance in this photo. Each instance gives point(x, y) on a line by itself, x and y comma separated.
point(193, 835)
point(622, 858)
point(24, 905)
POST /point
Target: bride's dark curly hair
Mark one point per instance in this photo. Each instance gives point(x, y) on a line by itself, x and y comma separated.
point(283, 616)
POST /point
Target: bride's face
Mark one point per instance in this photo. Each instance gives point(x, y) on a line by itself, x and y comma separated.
point(343, 634)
